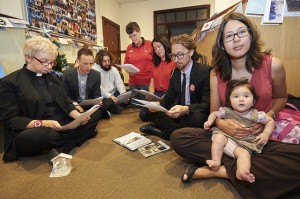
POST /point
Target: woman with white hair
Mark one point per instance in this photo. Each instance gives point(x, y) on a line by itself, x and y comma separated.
point(34, 107)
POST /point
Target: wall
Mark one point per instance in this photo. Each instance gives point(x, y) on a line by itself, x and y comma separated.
point(11, 49)
point(12, 8)
point(142, 13)
point(221, 4)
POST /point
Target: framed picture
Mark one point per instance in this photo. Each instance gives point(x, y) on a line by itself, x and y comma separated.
point(73, 18)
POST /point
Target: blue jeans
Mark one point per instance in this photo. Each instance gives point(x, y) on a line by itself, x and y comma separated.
point(137, 95)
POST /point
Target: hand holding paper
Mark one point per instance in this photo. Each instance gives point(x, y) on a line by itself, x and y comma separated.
point(129, 68)
point(123, 98)
point(84, 116)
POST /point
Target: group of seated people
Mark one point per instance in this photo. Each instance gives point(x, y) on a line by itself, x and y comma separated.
point(34, 105)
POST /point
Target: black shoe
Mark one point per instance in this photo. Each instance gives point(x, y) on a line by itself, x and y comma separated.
point(52, 154)
point(94, 134)
point(150, 129)
point(106, 115)
point(116, 109)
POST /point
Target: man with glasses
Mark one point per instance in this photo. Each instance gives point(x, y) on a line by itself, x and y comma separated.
point(83, 82)
point(188, 90)
point(139, 54)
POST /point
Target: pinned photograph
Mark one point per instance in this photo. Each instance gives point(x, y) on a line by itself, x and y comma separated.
point(274, 11)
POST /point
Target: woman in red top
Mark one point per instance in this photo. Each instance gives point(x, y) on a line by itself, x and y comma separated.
point(163, 68)
point(139, 54)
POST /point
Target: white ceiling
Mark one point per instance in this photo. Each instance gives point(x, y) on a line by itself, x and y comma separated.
point(128, 1)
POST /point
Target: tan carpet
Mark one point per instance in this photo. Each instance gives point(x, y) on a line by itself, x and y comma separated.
point(104, 169)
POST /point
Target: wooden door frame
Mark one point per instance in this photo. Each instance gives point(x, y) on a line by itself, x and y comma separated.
point(105, 20)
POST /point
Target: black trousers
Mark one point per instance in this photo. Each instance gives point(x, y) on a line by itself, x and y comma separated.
point(168, 125)
point(276, 169)
point(37, 140)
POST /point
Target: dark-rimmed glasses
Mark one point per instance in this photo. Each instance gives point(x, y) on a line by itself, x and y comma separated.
point(179, 56)
point(241, 33)
point(46, 63)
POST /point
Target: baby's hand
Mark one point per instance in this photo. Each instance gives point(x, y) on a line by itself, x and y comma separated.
point(206, 125)
point(262, 139)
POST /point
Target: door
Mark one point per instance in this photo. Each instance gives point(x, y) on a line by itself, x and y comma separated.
point(111, 38)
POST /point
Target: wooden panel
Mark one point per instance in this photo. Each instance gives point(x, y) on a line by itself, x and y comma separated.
point(283, 40)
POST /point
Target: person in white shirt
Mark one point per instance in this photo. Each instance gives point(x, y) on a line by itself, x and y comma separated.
point(112, 84)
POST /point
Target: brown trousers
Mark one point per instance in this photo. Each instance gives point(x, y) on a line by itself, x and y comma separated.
point(276, 170)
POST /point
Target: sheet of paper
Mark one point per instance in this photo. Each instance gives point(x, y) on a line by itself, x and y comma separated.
point(91, 101)
point(123, 98)
point(129, 68)
point(207, 25)
point(150, 105)
point(255, 7)
point(75, 123)
point(149, 95)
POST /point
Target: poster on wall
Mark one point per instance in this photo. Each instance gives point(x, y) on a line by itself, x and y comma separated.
point(74, 18)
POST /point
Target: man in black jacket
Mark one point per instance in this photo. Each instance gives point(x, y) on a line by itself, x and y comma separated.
point(188, 90)
point(83, 82)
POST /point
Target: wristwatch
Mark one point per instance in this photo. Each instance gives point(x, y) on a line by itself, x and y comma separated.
point(273, 114)
point(37, 123)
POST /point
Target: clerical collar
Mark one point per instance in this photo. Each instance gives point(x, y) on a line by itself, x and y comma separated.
point(31, 73)
point(135, 46)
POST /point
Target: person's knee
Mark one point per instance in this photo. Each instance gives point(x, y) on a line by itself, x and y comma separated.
point(220, 139)
point(177, 137)
point(241, 152)
point(144, 114)
point(198, 118)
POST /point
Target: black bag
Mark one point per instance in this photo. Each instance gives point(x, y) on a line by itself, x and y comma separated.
point(294, 100)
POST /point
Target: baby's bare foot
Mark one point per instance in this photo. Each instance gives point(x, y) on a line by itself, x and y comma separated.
point(245, 175)
point(213, 164)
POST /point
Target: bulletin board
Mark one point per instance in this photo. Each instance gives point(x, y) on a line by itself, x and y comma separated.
point(72, 18)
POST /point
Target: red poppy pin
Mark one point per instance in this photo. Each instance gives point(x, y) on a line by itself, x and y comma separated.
point(192, 87)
